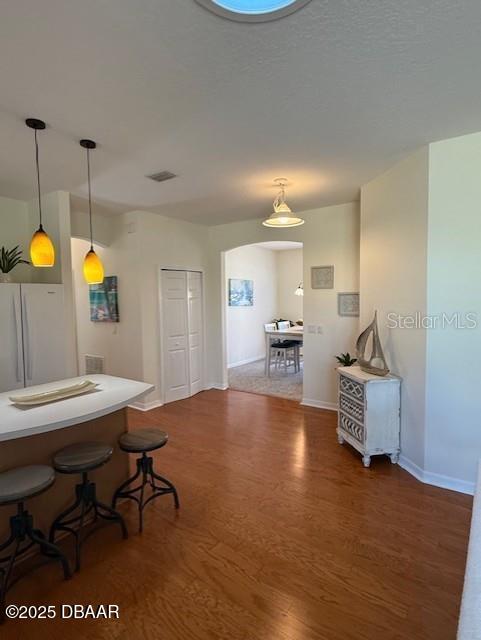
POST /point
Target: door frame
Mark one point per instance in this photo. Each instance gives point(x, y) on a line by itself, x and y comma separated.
point(161, 343)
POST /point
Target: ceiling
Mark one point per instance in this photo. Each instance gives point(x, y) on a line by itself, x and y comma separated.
point(328, 97)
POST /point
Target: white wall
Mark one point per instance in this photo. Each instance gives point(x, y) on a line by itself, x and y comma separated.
point(141, 245)
point(453, 435)
point(393, 279)
point(104, 339)
point(330, 236)
point(105, 228)
point(245, 325)
point(289, 275)
point(420, 253)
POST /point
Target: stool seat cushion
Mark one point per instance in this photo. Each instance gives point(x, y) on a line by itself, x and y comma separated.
point(81, 457)
point(141, 440)
point(24, 482)
point(286, 344)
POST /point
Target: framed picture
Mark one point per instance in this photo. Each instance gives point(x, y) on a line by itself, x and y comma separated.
point(241, 293)
point(348, 304)
point(322, 277)
point(104, 302)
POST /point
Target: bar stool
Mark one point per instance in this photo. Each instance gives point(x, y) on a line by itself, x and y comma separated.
point(142, 441)
point(81, 458)
point(16, 486)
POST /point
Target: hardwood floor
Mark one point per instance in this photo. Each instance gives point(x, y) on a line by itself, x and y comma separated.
point(282, 535)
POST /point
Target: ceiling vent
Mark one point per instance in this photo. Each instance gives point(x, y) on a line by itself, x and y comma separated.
point(162, 176)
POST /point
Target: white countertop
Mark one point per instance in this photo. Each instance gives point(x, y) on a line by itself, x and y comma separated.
point(111, 395)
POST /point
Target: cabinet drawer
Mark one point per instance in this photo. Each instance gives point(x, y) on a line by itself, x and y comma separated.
point(352, 408)
point(352, 388)
point(347, 424)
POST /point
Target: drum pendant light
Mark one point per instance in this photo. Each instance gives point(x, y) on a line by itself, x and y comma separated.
point(93, 268)
point(42, 252)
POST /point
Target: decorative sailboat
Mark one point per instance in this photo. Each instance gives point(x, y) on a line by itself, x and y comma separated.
point(376, 364)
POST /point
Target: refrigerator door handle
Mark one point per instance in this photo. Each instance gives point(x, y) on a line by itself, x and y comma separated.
point(26, 341)
point(16, 322)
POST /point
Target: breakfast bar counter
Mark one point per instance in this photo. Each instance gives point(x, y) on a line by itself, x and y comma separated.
point(32, 434)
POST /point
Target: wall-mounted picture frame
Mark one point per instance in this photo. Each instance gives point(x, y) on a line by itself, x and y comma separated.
point(348, 304)
point(241, 292)
point(104, 301)
point(322, 277)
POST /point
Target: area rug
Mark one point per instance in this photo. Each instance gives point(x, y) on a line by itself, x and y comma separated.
point(251, 378)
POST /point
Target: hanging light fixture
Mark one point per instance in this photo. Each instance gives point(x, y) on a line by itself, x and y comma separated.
point(42, 251)
point(300, 290)
point(93, 268)
point(282, 216)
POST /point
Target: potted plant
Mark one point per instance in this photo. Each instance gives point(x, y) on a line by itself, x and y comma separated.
point(9, 259)
point(345, 359)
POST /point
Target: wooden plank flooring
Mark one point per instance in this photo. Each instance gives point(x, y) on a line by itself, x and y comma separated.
point(282, 535)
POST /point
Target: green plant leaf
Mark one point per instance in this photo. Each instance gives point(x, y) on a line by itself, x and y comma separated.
point(10, 258)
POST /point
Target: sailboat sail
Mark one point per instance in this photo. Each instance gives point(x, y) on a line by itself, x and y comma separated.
point(376, 364)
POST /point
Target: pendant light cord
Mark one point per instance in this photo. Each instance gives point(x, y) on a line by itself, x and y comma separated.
point(38, 179)
point(90, 201)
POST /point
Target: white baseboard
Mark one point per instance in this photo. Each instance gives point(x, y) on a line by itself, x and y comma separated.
point(216, 385)
point(247, 361)
point(146, 406)
point(319, 404)
point(436, 479)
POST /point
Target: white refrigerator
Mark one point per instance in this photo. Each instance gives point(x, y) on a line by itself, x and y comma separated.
point(32, 335)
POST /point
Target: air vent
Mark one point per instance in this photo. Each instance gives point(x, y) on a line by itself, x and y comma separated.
point(94, 364)
point(162, 176)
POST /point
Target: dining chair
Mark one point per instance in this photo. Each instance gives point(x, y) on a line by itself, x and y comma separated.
point(285, 325)
point(284, 351)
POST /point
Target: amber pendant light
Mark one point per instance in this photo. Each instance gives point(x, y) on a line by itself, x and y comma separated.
point(42, 252)
point(93, 267)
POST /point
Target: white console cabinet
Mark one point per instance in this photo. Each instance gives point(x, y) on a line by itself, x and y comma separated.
point(369, 413)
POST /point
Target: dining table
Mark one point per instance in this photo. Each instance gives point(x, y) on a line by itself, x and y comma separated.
point(295, 333)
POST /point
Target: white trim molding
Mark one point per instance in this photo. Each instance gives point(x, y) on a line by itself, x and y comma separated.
point(319, 404)
point(436, 479)
point(146, 406)
point(218, 386)
point(247, 361)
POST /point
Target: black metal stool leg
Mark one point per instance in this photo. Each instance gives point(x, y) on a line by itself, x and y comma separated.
point(121, 490)
point(86, 501)
point(169, 484)
point(23, 531)
point(112, 515)
point(6, 575)
point(145, 467)
point(50, 550)
point(61, 517)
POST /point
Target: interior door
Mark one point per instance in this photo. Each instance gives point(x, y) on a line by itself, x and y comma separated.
point(175, 335)
point(44, 333)
point(196, 331)
point(11, 348)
